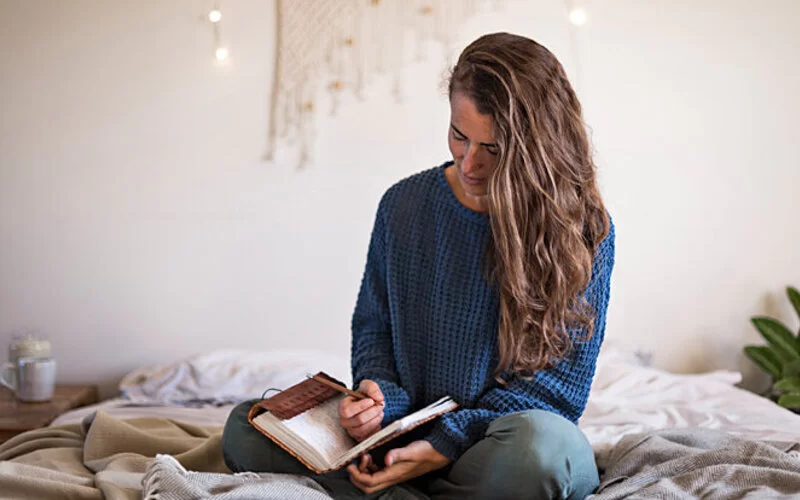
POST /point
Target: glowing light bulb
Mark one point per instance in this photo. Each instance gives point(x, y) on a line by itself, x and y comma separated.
point(215, 16)
point(221, 53)
point(577, 17)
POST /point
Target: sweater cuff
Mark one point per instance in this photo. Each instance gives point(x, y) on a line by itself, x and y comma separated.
point(396, 400)
point(446, 445)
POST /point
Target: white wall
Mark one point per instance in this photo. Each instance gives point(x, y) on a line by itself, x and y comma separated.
point(138, 224)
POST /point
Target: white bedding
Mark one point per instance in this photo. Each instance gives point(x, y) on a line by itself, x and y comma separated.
point(626, 397)
point(221, 377)
point(629, 399)
point(229, 375)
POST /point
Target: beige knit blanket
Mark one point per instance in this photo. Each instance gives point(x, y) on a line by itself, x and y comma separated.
point(102, 458)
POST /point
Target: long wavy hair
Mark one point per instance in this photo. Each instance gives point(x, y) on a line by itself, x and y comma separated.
point(547, 216)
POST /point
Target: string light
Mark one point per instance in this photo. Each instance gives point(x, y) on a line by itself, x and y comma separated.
point(220, 51)
point(578, 17)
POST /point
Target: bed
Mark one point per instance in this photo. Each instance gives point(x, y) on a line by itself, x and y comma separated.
point(654, 433)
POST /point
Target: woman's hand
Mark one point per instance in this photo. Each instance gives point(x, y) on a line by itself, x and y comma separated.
point(362, 418)
point(402, 464)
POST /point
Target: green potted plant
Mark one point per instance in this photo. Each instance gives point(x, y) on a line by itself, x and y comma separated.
point(780, 358)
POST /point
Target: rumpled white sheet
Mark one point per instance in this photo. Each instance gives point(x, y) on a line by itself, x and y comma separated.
point(228, 376)
point(203, 389)
point(232, 375)
point(628, 399)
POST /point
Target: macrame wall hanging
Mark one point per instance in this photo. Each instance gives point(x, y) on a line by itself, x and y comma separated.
point(338, 45)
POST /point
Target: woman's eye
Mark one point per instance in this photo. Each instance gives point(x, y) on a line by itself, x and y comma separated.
point(492, 151)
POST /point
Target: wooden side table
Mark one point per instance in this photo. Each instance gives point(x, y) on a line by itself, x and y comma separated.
point(17, 417)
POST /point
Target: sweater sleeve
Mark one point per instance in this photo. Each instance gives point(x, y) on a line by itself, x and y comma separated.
point(372, 350)
point(563, 389)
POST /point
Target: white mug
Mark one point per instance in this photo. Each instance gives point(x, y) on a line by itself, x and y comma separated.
point(33, 380)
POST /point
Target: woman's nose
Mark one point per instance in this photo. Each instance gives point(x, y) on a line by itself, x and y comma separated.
point(470, 163)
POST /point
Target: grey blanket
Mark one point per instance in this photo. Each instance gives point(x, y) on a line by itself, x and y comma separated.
point(694, 463)
point(167, 479)
point(672, 464)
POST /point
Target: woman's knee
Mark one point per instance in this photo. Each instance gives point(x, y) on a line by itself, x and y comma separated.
point(235, 437)
point(542, 453)
point(245, 449)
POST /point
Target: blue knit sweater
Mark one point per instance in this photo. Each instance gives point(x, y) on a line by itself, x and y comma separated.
point(425, 324)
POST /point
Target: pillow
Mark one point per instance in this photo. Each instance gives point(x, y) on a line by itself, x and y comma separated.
point(614, 352)
point(629, 372)
point(228, 376)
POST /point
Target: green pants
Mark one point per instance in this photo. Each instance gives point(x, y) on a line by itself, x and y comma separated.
point(533, 454)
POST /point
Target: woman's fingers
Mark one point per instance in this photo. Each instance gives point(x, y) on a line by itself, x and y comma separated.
point(350, 407)
point(364, 431)
point(362, 418)
point(366, 464)
point(371, 389)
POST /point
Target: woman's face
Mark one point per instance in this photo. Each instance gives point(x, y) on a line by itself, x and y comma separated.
point(471, 141)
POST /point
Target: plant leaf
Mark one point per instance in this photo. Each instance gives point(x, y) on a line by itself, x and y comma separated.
point(767, 360)
point(790, 401)
point(790, 369)
point(794, 298)
point(779, 337)
point(790, 385)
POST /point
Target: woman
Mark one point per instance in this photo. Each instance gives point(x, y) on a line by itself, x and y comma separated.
point(487, 279)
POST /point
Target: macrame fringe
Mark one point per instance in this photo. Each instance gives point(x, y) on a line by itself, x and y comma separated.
point(340, 44)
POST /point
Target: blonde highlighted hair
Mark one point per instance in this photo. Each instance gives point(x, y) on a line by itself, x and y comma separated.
point(547, 216)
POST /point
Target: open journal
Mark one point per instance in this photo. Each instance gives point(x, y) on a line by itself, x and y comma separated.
point(304, 421)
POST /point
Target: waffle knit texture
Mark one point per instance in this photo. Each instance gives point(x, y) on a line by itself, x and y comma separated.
point(426, 320)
